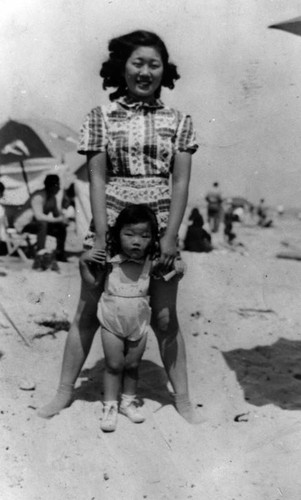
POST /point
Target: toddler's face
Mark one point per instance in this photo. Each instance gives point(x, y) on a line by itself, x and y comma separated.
point(135, 239)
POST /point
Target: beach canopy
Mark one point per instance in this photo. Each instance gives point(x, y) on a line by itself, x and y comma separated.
point(292, 26)
point(35, 138)
point(29, 150)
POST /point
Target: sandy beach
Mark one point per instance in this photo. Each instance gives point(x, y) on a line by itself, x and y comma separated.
point(240, 314)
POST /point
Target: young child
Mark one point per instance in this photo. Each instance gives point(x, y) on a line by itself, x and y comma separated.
point(123, 310)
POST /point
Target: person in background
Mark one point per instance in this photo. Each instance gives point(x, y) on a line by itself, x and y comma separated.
point(47, 218)
point(2, 189)
point(262, 212)
point(197, 239)
point(228, 221)
point(68, 203)
point(3, 222)
point(214, 207)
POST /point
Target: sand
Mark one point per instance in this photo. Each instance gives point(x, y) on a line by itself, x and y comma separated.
point(240, 314)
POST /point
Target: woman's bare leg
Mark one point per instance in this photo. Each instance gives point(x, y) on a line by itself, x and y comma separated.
point(77, 347)
point(171, 343)
point(166, 327)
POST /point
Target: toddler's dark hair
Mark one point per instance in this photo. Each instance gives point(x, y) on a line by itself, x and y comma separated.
point(121, 48)
point(134, 214)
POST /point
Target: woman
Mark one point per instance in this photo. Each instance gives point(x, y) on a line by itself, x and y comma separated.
point(133, 146)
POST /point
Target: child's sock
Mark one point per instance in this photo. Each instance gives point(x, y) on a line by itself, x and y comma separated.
point(109, 416)
point(127, 399)
point(129, 408)
point(61, 400)
point(185, 408)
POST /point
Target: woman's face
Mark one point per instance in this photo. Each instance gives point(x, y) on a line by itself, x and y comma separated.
point(143, 72)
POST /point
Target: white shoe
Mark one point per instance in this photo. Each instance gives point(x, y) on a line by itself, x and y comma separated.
point(109, 417)
point(132, 411)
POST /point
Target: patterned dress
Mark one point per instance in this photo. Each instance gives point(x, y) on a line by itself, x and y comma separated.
point(141, 140)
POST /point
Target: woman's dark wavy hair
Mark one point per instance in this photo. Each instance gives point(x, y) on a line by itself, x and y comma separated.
point(133, 214)
point(120, 50)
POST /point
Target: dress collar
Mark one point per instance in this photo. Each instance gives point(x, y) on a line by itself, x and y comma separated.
point(130, 103)
point(120, 258)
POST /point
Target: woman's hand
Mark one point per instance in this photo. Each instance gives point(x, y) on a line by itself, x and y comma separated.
point(168, 247)
point(96, 255)
point(92, 266)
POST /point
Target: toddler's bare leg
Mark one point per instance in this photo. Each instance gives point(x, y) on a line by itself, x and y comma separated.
point(134, 353)
point(128, 404)
point(113, 348)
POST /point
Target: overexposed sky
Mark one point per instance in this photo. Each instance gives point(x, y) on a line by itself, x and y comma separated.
point(240, 81)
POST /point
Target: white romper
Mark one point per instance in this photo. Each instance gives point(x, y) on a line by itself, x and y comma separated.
point(124, 307)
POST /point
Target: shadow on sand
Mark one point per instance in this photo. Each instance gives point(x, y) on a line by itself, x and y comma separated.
point(152, 383)
point(269, 374)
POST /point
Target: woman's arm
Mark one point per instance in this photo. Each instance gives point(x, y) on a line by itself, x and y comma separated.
point(97, 165)
point(179, 197)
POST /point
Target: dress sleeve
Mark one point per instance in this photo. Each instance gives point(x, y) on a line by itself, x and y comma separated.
point(186, 137)
point(93, 133)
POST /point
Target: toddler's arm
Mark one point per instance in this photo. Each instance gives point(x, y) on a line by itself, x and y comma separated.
point(179, 268)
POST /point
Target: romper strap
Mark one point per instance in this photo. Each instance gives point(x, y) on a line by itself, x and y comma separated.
point(146, 268)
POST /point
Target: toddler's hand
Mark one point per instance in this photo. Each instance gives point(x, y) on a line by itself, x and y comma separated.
point(180, 266)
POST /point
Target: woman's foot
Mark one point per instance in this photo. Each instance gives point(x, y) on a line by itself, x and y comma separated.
point(61, 400)
point(130, 409)
point(109, 416)
point(185, 408)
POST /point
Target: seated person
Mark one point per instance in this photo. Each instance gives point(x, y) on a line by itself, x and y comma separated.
point(197, 239)
point(45, 217)
point(262, 213)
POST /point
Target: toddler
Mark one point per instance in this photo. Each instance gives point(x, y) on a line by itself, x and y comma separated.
point(123, 310)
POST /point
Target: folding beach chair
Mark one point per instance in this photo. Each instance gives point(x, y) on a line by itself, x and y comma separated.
point(18, 242)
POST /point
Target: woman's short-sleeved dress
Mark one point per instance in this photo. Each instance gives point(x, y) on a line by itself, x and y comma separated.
point(141, 140)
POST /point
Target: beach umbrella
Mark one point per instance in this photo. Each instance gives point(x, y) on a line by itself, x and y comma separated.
point(34, 145)
point(292, 26)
